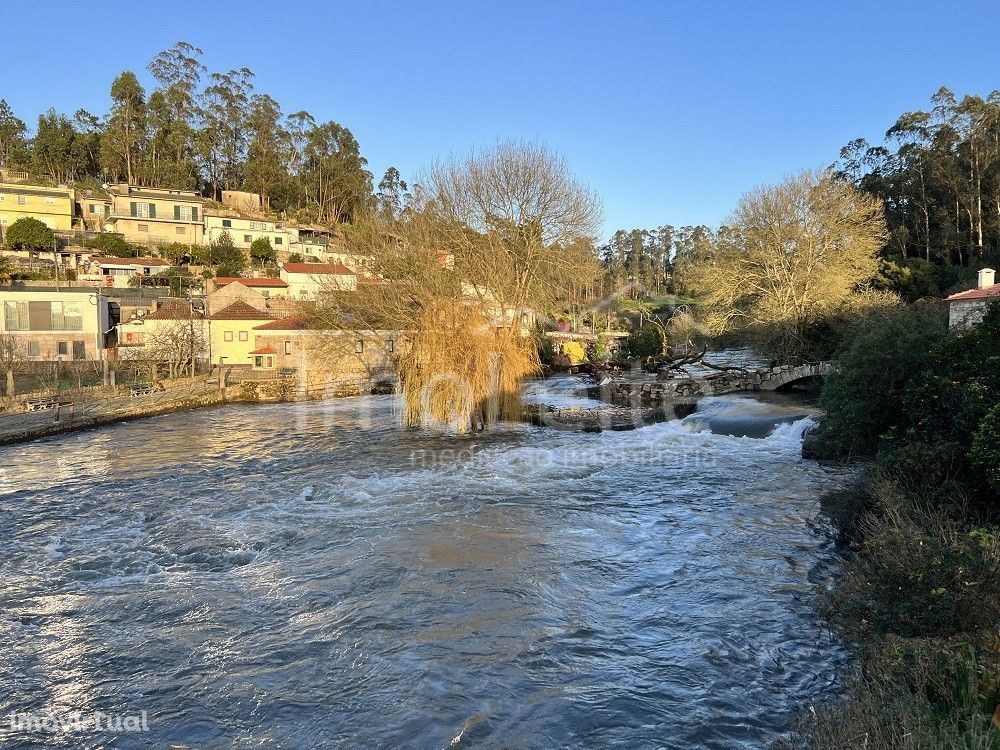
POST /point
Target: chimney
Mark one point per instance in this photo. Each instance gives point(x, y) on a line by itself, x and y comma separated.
point(986, 277)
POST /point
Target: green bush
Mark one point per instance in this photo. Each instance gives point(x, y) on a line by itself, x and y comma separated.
point(919, 572)
point(911, 694)
point(985, 454)
point(261, 252)
point(112, 245)
point(863, 397)
point(28, 233)
point(645, 342)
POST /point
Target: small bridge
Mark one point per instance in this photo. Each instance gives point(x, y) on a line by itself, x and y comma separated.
point(670, 387)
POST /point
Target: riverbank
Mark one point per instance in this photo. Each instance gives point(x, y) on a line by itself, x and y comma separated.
point(918, 597)
point(88, 409)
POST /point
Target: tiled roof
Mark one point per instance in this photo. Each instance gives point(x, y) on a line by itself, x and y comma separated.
point(240, 310)
point(979, 293)
point(292, 323)
point(264, 350)
point(174, 310)
point(105, 261)
point(319, 269)
point(223, 280)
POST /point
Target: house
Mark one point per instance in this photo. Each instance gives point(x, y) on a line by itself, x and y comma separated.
point(245, 231)
point(93, 207)
point(55, 325)
point(307, 281)
point(156, 216)
point(231, 337)
point(266, 286)
point(53, 206)
point(174, 330)
point(966, 309)
point(116, 272)
point(358, 359)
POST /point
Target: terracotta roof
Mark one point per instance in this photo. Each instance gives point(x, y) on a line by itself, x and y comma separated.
point(106, 261)
point(240, 310)
point(223, 280)
point(173, 310)
point(319, 269)
point(978, 293)
point(292, 323)
point(264, 350)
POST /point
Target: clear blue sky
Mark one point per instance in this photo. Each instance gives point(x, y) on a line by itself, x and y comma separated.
point(670, 110)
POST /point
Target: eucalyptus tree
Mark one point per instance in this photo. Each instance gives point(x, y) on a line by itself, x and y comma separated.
point(13, 137)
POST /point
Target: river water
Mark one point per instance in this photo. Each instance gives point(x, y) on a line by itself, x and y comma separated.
point(309, 575)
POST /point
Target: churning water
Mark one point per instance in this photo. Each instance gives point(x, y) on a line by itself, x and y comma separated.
point(309, 575)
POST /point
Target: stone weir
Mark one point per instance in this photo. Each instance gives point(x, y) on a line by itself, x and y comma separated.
point(670, 388)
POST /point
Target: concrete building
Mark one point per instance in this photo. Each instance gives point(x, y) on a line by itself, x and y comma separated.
point(244, 231)
point(231, 337)
point(53, 206)
point(966, 309)
point(117, 272)
point(57, 325)
point(307, 281)
point(156, 216)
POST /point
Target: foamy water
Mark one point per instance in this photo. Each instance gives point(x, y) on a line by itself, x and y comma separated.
point(309, 575)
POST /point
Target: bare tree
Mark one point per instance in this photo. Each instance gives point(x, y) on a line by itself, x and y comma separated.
point(789, 253)
point(175, 344)
point(12, 353)
point(486, 244)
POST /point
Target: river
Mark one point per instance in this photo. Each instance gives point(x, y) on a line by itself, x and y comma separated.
point(309, 575)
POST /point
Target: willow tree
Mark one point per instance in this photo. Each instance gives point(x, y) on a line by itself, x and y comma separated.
point(487, 244)
point(788, 255)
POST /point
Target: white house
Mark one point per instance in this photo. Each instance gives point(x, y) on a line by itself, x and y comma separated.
point(966, 309)
point(306, 281)
point(244, 231)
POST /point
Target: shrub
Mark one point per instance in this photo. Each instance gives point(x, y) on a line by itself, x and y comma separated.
point(645, 342)
point(28, 233)
point(985, 454)
point(261, 251)
point(914, 695)
point(112, 245)
point(863, 396)
point(918, 572)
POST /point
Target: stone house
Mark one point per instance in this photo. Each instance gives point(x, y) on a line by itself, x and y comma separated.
point(966, 309)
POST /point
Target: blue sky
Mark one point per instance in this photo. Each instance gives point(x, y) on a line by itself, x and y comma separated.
point(669, 110)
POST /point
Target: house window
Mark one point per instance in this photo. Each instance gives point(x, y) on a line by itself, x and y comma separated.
point(227, 336)
point(16, 316)
point(93, 208)
point(247, 238)
point(143, 210)
point(263, 362)
point(391, 345)
point(182, 213)
point(227, 222)
point(144, 227)
point(179, 230)
point(79, 350)
point(62, 347)
point(244, 336)
point(288, 347)
point(278, 240)
point(34, 349)
point(359, 346)
point(21, 200)
point(50, 201)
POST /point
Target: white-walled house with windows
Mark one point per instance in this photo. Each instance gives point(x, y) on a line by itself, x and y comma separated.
point(57, 325)
point(307, 281)
point(116, 272)
point(244, 231)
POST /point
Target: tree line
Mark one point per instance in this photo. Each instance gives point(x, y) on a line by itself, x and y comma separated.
point(207, 131)
point(648, 258)
point(938, 173)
